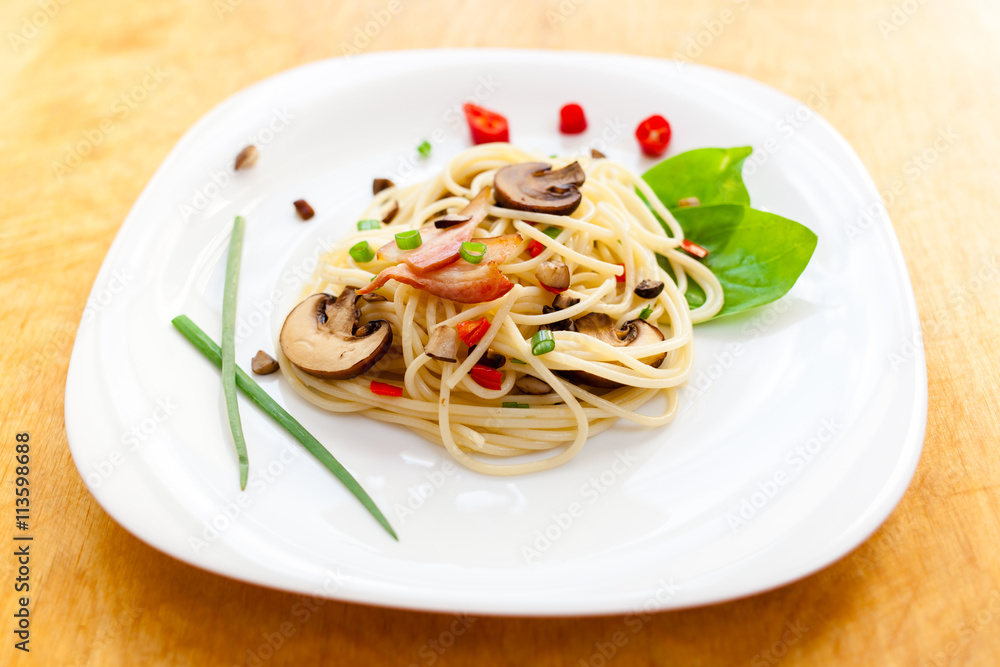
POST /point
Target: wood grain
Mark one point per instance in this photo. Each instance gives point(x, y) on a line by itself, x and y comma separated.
point(924, 590)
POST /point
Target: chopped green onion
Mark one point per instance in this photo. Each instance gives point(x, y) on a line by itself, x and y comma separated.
point(473, 252)
point(542, 342)
point(511, 404)
point(229, 346)
point(515, 360)
point(646, 312)
point(552, 231)
point(424, 148)
point(369, 224)
point(409, 240)
point(207, 346)
point(362, 252)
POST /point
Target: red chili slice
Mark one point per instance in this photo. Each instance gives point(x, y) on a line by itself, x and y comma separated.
point(693, 248)
point(535, 248)
point(572, 120)
point(553, 289)
point(486, 377)
point(472, 331)
point(653, 135)
point(621, 278)
point(383, 389)
point(486, 126)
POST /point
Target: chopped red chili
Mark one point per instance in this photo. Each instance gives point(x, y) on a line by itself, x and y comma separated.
point(472, 331)
point(535, 248)
point(383, 389)
point(486, 377)
point(653, 135)
point(621, 278)
point(486, 126)
point(572, 120)
point(693, 248)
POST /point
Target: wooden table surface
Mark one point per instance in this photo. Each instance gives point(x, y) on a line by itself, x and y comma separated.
point(902, 74)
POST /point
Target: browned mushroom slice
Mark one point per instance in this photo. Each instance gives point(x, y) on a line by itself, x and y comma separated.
point(450, 220)
point(321, 337)
point(443, 344)
point(246, 157)
point(263, 363)
point(529, 384)
point(634, 333)
point(533, 186)
point(303, 208)
point(597, 155)
point(380, 184)
point(649, 289)
point(553, 274)
point(391, 213)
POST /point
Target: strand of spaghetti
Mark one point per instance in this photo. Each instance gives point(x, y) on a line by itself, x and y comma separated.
point(505, 305)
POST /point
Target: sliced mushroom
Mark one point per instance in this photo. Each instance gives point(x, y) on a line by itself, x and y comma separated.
point(649, 289)
point(602, 327)
point(380, 184)
point(533, 186)
point(529, 384)
point(246, 157)
point(561, 325)
point(491, 358)
point(443, 344)
point(303, 208)
point(263, 363)
point(564, 301)
point(597, 155)
point(553, 274)
point(321, 337)
point(391, 213)
point(450, 220)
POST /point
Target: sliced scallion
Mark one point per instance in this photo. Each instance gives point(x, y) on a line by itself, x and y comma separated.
point(542, 342)
point(369, 224)
point(409, 240)
point(512, 404)
point(552, 231)
point(646, 312)
point(362, 252)
point(515, 360)
point(228, 361)
point(473, 252)
point(424, 148)
point(207, 346)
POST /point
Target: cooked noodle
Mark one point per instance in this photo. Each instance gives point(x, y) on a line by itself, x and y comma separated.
point(613, 226)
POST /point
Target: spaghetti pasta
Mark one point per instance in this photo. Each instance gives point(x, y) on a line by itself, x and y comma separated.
point(609, 243)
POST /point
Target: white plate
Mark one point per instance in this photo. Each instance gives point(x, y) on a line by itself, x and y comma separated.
point(641, 518)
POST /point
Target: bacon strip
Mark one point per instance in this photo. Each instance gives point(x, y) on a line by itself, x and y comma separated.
point(459, 281)
point(440, 246)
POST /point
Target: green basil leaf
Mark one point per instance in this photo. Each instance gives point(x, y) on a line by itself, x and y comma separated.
point(757, 256)
point(713, 175)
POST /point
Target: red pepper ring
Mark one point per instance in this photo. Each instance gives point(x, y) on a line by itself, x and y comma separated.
point(383, 389)
point(486, 377)
point(472, 331)
point(486, 126)
point(653, 135)
point(572, 120)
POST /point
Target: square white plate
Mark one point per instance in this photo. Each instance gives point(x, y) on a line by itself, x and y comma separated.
point(798, 435)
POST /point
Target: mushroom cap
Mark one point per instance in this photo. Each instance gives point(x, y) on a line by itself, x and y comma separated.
point(321, 337)
point(533, 186)
point(602, 327)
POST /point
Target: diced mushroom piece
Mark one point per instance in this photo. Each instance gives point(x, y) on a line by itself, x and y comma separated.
point(263, 363)
point(321, 337)
point(688, 202)
point(634, 333)
point(450, 220)
point(649, 289)
point(529, 384)
point(246, 157)
point(443, 344)
point(533, 186)
point(561, 325)
point(597, 155)
point(564, 301)
point(492, 359)
point(380, 184)
point(553, 274)
point(391, 213)
point(303, 208)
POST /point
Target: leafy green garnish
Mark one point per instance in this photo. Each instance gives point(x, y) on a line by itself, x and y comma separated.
point(713, 175)
point(207, 346)
point(229, 346)
point(756, 256)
